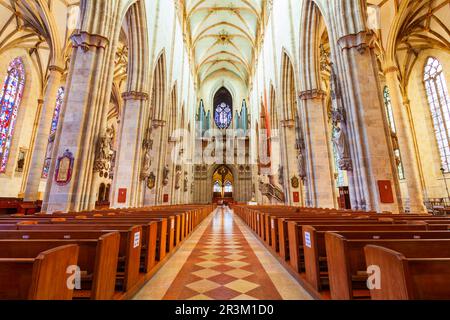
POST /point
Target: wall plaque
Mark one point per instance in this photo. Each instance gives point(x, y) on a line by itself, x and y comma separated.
point(296, 196)
point(386, 193)
point(64, 168)
point(122, 198)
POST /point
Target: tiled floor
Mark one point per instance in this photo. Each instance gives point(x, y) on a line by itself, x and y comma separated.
point(222, 260)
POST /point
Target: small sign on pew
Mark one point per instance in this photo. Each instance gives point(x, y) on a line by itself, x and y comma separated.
point(308, 239)
point(172, 226)
point(137, 240)
point(272, 222)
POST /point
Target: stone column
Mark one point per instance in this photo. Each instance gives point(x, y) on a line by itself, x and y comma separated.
point(129, 153)
point(154, 196)
point(290, 160)
point(43, 131)
point(368, 132)
point(410, 164)
point(320, 175)
point(90, 69)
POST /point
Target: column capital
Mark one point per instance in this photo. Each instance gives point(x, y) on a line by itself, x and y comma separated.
point(360, 41)
point(158, 123)
point(288, 123)
point(312, 94)
point(55, 68)
point(391, 69)
point(86, 41)
point(134, 95)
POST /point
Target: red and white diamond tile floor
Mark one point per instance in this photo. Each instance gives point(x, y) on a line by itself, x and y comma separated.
point(222, 260)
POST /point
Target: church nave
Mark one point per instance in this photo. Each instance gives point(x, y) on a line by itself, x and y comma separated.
point(222, 260)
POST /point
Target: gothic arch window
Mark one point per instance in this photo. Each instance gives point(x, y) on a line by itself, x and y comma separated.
point(54, 127)
point(10, 98)
point(391, 122)
point(217, 187)
point(439, 102)
point(223, 108)
point(228, 188)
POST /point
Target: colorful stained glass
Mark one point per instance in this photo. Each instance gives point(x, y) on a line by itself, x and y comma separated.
point(10, 98)
point(54, 127)
point(223, 116)
point(439, 102)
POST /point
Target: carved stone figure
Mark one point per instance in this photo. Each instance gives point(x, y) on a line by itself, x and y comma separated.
point(178, 178)
point(147, 146)
point(186, 181)
point(340, 136)
point(341, 144)
point(301, 165)
point(104, 151)
point(166, 172)
point(151, 180)
point(281, 175)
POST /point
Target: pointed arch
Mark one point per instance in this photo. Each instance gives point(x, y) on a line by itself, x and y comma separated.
point(288, 88)
point(273, 109)
point(54, 127)
point(10, 99)
point(159, 88)
point(173, 118)
point(223, 108)
point(439, 103)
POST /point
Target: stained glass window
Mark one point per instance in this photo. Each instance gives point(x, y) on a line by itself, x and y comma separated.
point(223, 115)
point(54, 127)
point(391, 121)
point(223, 110)
point(439, 102)
point(228, 187)
point(10, 98)
point(217, 187)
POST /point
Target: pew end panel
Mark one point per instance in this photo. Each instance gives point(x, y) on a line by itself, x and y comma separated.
point(107, 258)
point(338, 268)
point(50, 274)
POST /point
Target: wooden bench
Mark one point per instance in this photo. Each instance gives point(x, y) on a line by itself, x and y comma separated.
point(41, 278)
point(151, 247)
point(97, 259)
point(347, 266)
point(315, 261)
point(409, 278)
point(129, 263)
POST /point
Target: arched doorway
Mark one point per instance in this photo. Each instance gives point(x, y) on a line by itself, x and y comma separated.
point(223, 185)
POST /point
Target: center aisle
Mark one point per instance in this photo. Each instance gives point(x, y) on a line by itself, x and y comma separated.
point(222, 260)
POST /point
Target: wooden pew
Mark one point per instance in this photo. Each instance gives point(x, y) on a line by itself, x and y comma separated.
point(129, 249)
point(150, 230)
point(41, 278)
point(316, 271)
point(293, 244)
point(97, 258)
point(409, 278)
point(172, 224)
point(347, 266)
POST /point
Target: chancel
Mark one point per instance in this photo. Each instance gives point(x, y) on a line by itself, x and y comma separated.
point(224, 150)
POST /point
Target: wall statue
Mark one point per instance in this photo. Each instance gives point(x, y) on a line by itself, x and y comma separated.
point(338, 115)
point(104, 151)
point(281, 175)
point(166, 172)
point(178, 177)
point(147, 146)
point(301, 164)
point(186, 181)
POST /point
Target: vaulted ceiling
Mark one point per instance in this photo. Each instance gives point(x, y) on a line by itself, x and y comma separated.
point(223, 35)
